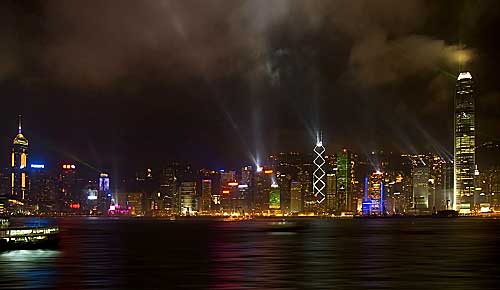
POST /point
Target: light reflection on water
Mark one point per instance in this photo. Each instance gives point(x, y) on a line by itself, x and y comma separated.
point(28, 269)
point(320, 254)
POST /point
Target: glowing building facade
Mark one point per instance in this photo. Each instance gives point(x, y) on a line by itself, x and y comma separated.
point(19, 165)
point(319, 172)
point(421, 189)
point(274, 197)
point(331, 190)
point(206, 195)
point(187, 195)
point(464, 151)
point(295, 197)
point(345, 173)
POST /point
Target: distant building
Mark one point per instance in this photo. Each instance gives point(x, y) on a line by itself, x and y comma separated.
point(376, 194)
point(206, 195)
point(345, 174)
point(19, 167)
point(134, 203)
point(187, 196)
point(275, 197)
point(308, 201)
point(421, 176)
point(295, 197)
point(69, 193)
point(168, 190)
point(105, 198)
point(331, 191)
point(42, 188)
point(262, 187)
point(464, 154)
point(283, 181)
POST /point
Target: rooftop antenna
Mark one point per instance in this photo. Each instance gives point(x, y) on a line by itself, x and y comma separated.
point(19, 129)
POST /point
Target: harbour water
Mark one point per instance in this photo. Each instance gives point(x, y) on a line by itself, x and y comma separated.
point(392, 253)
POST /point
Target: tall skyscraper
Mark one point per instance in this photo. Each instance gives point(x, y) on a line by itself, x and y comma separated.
point(464, 143)
point(262, 181)
point(206, 195)
point(274, 197)
point(105, 198)
point(284, 182)
point(331, 190)
point(319, 172)
point(421, 176)
point(295, 197)
point(19, 176)
point(168, 189)
point(345, 173)
point(187, 195)
point(42, 188)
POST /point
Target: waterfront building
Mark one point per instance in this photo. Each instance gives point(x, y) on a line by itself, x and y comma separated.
point(19, 167)
point(135, 203)
point(168, 190)
point(319, 175)
point(262, 186)
point(42, 188)
point(275, 197)
point(295, 197)
point(206, 195)
point(331, 190)
point(187, 198)
point(283, 181)
point(420, 177)
point(464, 149)
point(345, 174)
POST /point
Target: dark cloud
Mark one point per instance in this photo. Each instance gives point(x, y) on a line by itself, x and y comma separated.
point(243, 71)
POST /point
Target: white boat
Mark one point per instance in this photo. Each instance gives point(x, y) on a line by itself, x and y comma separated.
point(27, 237)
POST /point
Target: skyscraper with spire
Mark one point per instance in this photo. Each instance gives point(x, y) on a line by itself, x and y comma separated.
point(319, 171)
point(19, 163)
point(464, 151)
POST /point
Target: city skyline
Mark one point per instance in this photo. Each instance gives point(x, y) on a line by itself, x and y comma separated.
point(249, 144)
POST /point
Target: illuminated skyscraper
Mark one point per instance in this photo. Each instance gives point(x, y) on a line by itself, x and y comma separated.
point(105, 198)
point(168, 189)
point(42, 188)
point(331, 190)
point(262, 181)
point(464, 142)
point(187, 196)
point(274, 197)
point(19, 177)
point(206, 195)
point(284, 182)
point(69, 196)
point(296, 197)
point(421, 188)
point(319, 172)
point(345, 172)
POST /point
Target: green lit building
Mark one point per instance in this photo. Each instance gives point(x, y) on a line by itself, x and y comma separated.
point(345, 173)
point(275, 197)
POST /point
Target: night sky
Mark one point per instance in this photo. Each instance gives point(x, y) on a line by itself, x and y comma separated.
point(126, 83)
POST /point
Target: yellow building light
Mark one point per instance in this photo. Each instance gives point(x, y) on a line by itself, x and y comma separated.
point(23, 160)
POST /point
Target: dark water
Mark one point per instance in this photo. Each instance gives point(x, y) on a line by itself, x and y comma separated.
point(326, 254)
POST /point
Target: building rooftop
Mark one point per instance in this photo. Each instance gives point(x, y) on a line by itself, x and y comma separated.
point(464, 75)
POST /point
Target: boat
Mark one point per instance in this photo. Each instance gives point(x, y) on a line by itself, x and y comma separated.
point(27, 237)
point(446, 213)
point(283, 226)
